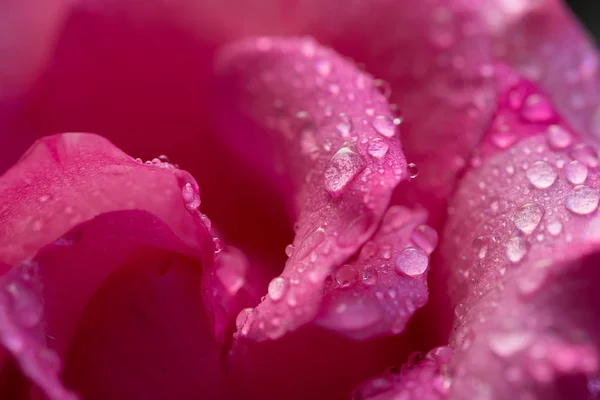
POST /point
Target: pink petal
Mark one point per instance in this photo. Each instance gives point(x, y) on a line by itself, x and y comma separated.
point(318, 118)
point(378, 293)
point(422, 377)
point(520, 253)
point(142, 215)
point(545, 43)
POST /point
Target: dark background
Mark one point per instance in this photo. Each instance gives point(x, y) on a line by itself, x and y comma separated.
point(588, 12)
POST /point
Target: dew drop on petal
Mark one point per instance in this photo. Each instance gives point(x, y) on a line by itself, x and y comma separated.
point(541, 175)
point(341, 169)
point(576, 172)
point(554, 228)
point(385, 126)
point(412, 261)
point(582, 200)
point(346, 275)
point(377, 148)
point(558, 137)
point(528, 217)
point(369, 276)
point(289, 249)
point(504, 139)
point(413, 171)
point(277, 288)
point(537, 109)
point(480, 246)
point(425, 237)
point(516, 249)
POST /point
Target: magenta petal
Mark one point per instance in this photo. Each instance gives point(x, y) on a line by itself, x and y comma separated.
point(545, 43)
point(520, 251)
point(378, 293)
point(335, 146)
point(422, 377)
point(125, 213)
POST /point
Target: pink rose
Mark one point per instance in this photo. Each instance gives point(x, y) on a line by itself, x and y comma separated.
point(321, 268)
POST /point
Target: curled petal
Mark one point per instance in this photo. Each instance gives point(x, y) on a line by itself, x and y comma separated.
point(378, 293)
point(547, 44)
point(335, 146)
point(87, 222)
point(518, 252)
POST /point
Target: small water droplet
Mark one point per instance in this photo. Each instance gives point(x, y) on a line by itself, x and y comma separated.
point(377, 148)
point(554, 228)
point(412, 261)
point(541, 175)
point(341, 169)
point(558, 137)
point(504, 139)
point(289, 249)
point(576, 172)
point(480, 246)
point(369, 276)
point(586, 154)
point(277, 288)
point(190, 196)
point(528, 217)
point(413, 170)
point(346, 275)
point(582, 200)
point(385, 126)
point(323, 67)
point(425, 237)
point(516, 249)
point(537, 109)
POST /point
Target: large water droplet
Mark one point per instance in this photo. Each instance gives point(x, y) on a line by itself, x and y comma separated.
point(277, 288)
point(516, 248)
point(341, 169)
point(378, 148)
point(412, 261)
point(582, 200)
point(558, 137)
point(425, 237)
point(541, 175)
point(537, 109)
point(346, 275)
point(385, 126)
point(576, 172)
point(413, 171)
point(528, 217)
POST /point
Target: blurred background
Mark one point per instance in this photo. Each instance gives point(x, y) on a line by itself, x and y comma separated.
point(588, 12)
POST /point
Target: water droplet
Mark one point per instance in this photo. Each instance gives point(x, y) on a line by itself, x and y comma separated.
point(312, 240)
point(480, 246)
point(344, 126)
point(413, 171)
point(346, 275)
point(516, 248)
point(509, 344)
point(504, 139)
point(582, 200)
point(576, 172)
point(289, 249)
point(541, 175)
point(528, 217)
point(537, 109)
point(385, 126)
point(190, 196)
point(586, 154)
point(369, 276)
point(341, 169)
point(412, 261)
point(554, 228)
point(378, 148)
point(425, 237)
point(558, 137)
point(323, 67)
point(277, 288)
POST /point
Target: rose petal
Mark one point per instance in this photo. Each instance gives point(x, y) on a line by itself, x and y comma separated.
point(547, 44)
point(422, 377)
point(64, 181)
point(519, 251)
point(319, 119)
point(378, 292)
